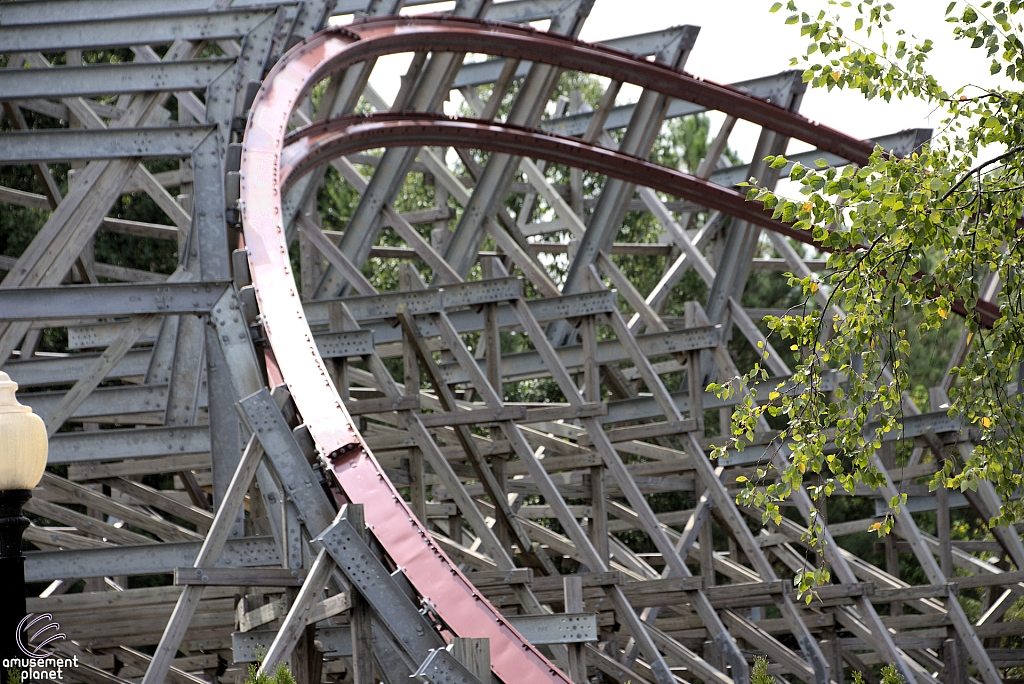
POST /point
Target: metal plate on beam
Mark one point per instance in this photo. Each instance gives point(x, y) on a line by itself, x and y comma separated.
point(27, 147)
point(88, 301)
point(143, 559)
point(103, 401)
point(110, 445)
point(369, 576)
point(247, 646)
point(441, 667)
point(384, 305)
point(58, 370)
point(123, 32)
point(567, 628)
point(585, 304)
point(608, 351)
point(435, 300)
point(482, 292)
point(105, 79)
point(99, 335)
point(64, 11)
point(344, 344)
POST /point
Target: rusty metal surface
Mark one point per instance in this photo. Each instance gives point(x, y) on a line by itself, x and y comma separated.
point(376, 37)
point(314, 145)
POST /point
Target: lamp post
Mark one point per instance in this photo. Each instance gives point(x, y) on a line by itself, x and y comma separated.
point(23, 450)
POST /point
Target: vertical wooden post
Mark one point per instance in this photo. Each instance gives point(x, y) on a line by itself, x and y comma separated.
point(336, 323)
point(887, 454)
point(707, 545)
point(417, 487)
point(362, 632)
point(475, 655)
point(492, 353)
point(440, 234)
point(936, 398)
point(572, 586)
point(299, 659)
point(597, 527)
point(892, 566)
point(943, 530)
point(954, 666)
point(834, 652)
point(707, 571)
point(409, 280)
point(455, 527)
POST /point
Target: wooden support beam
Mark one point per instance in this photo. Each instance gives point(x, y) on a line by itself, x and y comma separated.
point(239, 577)
point(294, 625)
point(573, 588)
point(474, 654)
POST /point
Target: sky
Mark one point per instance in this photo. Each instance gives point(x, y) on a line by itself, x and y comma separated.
point(740, 39)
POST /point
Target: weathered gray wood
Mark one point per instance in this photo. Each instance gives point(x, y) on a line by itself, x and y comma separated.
point(483, 470)
point(294, 624)
point(573, 588)
point(239, 577)
point(268, 612)
point(217, 536)
point(614, 464)
point(360, 620)
point(474, 654)
point(329, 607)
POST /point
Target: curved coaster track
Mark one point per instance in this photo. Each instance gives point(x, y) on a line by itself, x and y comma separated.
point(259, 457)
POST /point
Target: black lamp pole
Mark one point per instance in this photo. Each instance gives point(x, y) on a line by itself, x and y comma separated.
point(12, 572)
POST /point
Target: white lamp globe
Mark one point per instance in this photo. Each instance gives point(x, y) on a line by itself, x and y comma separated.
point(23, 444)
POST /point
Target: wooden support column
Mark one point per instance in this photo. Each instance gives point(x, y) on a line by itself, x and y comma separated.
point(336, 321)
point(887, 454)
point(475, 655)
point(694, 316)
point(572, 586)
point(953, 661)
point(411, 378)
point(834, 651)
point(597, 528)
point(937, 398)
point(492, 353)
point(361, 620)
point(417, 486)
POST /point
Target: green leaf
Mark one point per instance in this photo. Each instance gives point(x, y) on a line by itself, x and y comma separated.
point(858, 24)
point(777, 6)
point(792, 19)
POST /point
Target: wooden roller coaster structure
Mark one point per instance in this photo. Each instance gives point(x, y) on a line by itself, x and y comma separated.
point(317, 511)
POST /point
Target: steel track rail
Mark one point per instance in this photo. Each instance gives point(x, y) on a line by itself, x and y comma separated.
point(311, 146)
point(462, 608)
point(270, 160)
